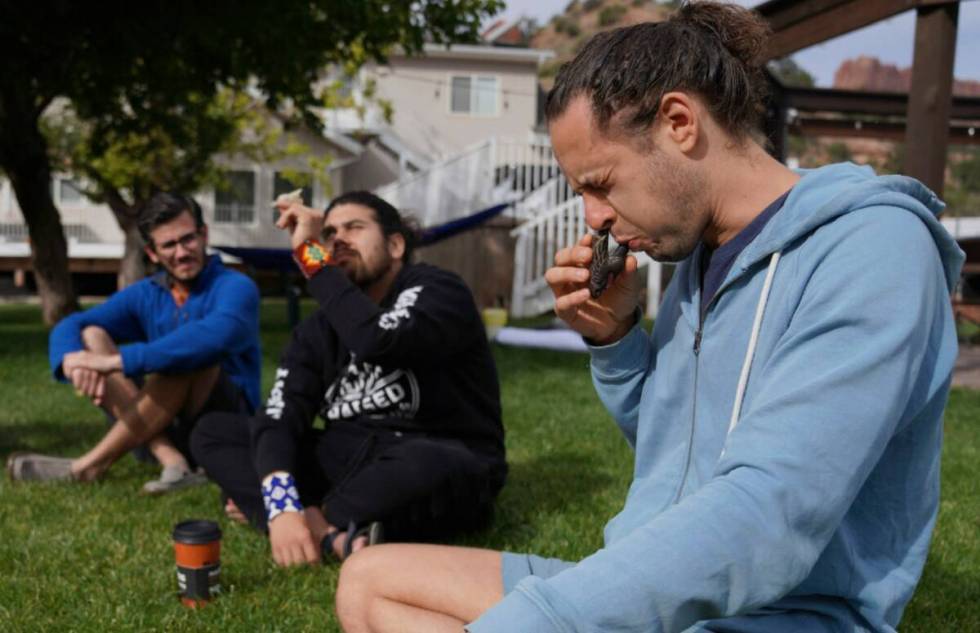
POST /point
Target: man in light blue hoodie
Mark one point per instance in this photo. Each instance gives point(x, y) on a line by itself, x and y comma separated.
point(786, 410)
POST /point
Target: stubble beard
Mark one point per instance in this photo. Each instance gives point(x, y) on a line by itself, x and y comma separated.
point(685, 193)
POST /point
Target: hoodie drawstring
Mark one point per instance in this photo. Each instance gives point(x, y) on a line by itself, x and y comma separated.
point(743, 379)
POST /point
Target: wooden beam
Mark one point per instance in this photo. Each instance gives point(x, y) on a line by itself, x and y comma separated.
point(874, 103)
point(930, 95)
point(799, 24)
point(895, 131)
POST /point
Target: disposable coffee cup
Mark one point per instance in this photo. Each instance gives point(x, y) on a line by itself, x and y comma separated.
point(197, 546)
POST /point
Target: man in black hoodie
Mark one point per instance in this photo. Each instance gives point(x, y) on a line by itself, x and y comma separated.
point(385, 406)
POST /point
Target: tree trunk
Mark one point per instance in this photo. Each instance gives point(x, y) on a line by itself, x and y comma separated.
point(132, 268)
point(23, 156)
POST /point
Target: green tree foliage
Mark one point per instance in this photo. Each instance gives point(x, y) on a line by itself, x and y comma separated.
point(790, 73)
point(838, 152)
point(962, 190)
point(967, 171)
point(134, 71)
point(611, 15)
point(567, 25)
point(895, 161)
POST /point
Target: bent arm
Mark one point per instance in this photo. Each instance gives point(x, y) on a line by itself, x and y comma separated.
point(792, 467)
point(428, 322)
point(618, 373)
point(118, 316)
point(227, 329)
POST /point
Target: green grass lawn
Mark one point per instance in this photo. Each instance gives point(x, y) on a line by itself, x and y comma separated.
point(99, 557)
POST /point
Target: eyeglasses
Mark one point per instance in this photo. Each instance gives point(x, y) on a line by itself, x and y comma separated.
point(188, 241)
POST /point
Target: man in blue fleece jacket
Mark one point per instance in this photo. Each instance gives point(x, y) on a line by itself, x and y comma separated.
point(786, 410)
point(189, 333)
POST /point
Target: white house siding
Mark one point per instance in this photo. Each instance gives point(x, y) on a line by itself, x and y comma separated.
point(94, 226)
point(420, 91)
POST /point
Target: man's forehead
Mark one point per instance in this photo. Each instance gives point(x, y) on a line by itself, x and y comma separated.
point(578, 144)
point(177, 226)
point(346, 213)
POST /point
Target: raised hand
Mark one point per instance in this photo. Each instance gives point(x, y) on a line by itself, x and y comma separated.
point(605, 319)
point(301, 222)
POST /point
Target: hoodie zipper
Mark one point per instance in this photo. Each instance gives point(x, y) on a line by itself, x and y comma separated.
point(698, 335)
point(697, 365)
point(694, 408)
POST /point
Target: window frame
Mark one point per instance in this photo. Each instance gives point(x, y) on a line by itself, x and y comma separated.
point(255, 199)
point(473, 76)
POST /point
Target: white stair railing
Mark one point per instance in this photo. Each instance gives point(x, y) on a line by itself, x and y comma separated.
point(537, 241)
point(483, 175)
point(522, 172)
point(534, 253)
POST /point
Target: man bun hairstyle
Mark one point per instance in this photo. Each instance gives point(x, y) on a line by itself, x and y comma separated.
point(714, 50)
point(385, 214)
point(164, 207)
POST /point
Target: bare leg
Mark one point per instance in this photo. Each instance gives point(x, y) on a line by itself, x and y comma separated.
point(160, 399)
point(121, 392)
point(423, 588)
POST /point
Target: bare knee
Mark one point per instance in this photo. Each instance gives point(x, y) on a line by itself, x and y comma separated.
point(357, 587)
point(97, 339)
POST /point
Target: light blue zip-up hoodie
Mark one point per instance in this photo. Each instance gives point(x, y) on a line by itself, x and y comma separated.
point(815, 512)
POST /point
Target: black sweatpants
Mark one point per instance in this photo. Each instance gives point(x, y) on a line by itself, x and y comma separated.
point(419, 487)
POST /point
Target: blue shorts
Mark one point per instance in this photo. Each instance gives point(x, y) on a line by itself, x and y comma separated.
point(516, 567)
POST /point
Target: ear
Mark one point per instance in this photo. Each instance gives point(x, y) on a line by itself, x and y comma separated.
point(204, 235)
point(396, 245)
point(152, 254)
point(679, 120)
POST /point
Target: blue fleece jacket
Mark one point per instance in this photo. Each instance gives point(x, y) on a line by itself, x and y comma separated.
point(815, 512)
point(218, 324)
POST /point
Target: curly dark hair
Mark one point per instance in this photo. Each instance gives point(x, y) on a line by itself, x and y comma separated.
point(385, 214)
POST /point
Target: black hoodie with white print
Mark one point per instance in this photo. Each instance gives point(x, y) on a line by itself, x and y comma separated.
point(418, 362)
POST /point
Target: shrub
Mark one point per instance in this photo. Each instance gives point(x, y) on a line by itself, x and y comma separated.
point(611, 15)
point(567, 26)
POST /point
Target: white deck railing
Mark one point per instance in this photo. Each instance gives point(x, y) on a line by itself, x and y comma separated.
point(537, 241)
point(481, 176)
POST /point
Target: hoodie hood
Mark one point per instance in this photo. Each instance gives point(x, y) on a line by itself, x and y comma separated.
point(824, 194)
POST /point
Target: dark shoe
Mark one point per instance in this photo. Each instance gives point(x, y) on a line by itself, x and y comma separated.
point(374, 532)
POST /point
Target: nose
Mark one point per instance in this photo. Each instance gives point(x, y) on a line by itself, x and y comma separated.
point(340, 237)
point(599, 215)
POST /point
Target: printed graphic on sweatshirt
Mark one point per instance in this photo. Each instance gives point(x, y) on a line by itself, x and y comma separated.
point(275, 404)
point(399, 312)
point(371, 391)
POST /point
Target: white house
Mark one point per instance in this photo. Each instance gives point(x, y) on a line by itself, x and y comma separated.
point(442, 102)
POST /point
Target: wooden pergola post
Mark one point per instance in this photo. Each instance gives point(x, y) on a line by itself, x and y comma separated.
point(931, 94)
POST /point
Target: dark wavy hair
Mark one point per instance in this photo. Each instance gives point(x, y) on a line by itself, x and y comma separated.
point(385, 214)
point(711, 49)
point(164, 207)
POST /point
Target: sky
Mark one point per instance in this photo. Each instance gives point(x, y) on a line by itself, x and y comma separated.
point(891, 41)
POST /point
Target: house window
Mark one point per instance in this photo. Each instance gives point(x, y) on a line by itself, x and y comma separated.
point(235, 202)
point(68, 192)
point(281, 184)
point(474, 94)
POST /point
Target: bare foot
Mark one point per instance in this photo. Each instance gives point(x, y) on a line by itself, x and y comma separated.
point(233, 513)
